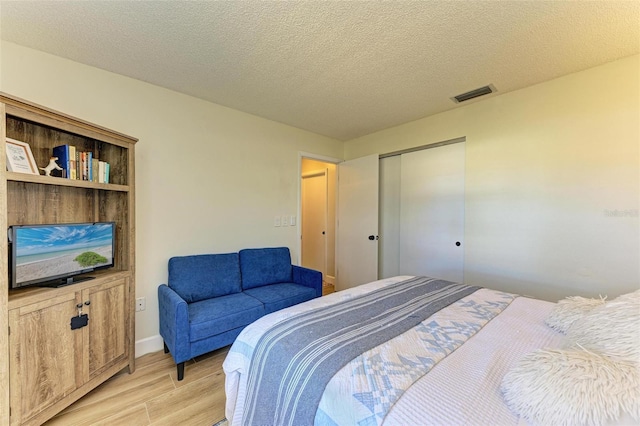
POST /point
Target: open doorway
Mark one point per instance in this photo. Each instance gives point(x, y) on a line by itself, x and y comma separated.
point(318, 218)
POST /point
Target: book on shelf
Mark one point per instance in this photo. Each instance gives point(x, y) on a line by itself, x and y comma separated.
point(94, 170)
point(72, 163)
point(83, 165)
point(101, 171)
point(79, 165)
point(63, 154)
point(89, 165)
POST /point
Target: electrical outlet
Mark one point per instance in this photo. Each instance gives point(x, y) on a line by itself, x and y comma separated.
point(141, 304)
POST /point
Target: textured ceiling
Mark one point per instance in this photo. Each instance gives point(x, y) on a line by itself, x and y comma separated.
point(341, 68)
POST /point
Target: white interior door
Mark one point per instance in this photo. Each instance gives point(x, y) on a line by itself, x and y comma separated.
point(314, 221)
point(357, 254)
point(432, 212)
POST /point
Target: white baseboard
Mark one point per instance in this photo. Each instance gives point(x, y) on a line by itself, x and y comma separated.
point(149, 345)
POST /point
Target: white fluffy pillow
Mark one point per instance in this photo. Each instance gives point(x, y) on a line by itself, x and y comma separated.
point(612, 329)
point(568, 310)
point(572, 387)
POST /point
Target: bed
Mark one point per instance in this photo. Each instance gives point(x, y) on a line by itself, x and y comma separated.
point(398, 351)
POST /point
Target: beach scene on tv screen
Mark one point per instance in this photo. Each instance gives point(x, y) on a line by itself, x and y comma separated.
point(53, 251)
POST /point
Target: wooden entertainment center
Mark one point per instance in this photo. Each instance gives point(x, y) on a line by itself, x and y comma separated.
point(45, 365)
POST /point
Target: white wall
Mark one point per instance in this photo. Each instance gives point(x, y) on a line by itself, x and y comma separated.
point(547, 168)
point(209, 179)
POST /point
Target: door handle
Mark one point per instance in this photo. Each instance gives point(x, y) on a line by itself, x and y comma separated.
point(374, 237)
point(457, 243)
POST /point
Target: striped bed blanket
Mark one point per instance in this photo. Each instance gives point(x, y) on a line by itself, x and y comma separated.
point(348, 361)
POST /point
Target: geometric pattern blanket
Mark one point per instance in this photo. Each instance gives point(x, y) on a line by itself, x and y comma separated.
point(293, 362)
point(364, 390)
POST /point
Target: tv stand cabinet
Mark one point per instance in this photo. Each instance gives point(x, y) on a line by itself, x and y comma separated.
point(45, 366)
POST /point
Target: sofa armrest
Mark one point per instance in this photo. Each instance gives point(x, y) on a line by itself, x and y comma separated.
point(308, 278)
point(174, 323)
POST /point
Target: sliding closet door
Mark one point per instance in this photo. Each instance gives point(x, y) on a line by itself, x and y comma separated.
point(389, 244)
point(432, 212)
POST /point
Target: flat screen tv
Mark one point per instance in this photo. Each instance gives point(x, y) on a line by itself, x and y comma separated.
point(54, 255)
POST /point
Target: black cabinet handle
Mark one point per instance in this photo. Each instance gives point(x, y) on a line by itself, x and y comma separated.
point(457, 243)
point(371, 237)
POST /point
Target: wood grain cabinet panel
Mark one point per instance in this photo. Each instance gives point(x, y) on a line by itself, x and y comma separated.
point(43, 356)
point(105, 337)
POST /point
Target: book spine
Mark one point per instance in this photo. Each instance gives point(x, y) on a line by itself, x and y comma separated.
point(101, 171)
point(89, 166)
point(94, 169)
point(62, 152)
point(72, 162)
point(107, 170)
point(83, 159)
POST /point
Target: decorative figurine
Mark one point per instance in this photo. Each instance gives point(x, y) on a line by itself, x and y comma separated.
point(51, 166)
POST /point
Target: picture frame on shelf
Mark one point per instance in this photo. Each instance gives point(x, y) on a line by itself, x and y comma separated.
point(20, 158)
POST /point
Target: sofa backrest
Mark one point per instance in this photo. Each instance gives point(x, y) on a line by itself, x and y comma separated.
point(265, 266)
point(204, 276)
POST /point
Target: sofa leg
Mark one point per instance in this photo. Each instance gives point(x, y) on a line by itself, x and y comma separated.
point(166, 348)
point(180, 371)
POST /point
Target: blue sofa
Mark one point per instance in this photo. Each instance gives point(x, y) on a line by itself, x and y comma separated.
point(210, 298)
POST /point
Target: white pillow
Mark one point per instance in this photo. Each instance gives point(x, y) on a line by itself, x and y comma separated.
point(549, 387)
point(568, 310)
point(612, 329)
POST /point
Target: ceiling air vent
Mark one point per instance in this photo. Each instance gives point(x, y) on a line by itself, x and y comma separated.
point(474, 93)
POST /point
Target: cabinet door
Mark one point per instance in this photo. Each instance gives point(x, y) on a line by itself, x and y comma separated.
point(106, 336)
point(44, 355)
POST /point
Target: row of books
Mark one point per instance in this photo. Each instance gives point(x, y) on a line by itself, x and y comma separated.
point(81, 165)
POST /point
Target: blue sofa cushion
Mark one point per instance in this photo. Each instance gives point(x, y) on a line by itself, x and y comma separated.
point(204, 276)
point(280, 296)
point(214, 316)
point(265, 266)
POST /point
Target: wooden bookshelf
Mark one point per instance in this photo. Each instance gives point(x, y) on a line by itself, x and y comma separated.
point(45, 366)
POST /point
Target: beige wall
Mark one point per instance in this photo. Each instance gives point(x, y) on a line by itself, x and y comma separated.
point(209, 179)
point(547, 167)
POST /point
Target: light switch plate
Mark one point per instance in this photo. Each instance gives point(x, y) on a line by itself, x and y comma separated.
point(276, 221)
point(292, 220)
point(285, 220)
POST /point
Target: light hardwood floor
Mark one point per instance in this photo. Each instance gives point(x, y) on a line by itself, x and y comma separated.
point(153, 395)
